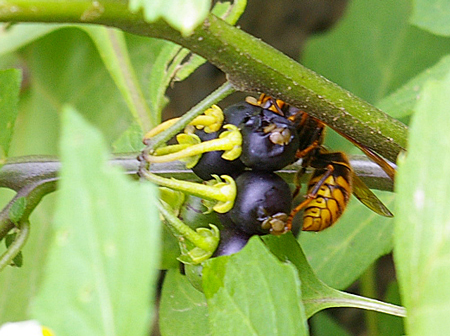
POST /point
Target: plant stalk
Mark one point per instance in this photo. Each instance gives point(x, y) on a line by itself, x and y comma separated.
point(33, 177)
point(21, 171)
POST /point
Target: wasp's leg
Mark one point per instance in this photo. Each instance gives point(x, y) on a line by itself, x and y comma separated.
point(309, 197)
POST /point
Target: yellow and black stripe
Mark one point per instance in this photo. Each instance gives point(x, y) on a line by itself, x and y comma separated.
point(329, 191)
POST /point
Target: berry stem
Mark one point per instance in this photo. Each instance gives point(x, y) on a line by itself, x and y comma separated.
point(207, 243)
point(222, 192)
point(228, 141)
point(166, 150)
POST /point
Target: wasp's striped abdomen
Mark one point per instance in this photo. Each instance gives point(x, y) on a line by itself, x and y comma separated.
point(330, 194)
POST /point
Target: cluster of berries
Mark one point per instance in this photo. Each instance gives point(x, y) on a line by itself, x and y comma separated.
point(248, 144)
point(244, 145)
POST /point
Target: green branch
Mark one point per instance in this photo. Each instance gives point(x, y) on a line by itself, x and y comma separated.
point(33, 177)
point(250, 64)
point(19, 172)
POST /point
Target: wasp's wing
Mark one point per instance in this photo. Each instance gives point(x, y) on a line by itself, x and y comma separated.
point(368, 198)
point(388, 169)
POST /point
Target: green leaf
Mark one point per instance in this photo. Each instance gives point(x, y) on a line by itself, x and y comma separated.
point(401, 103)
point(52, 83)
point(422, 247)
point(19, 286)
point(130, 140)
point(360, 235)
point(158, 63)
point(183, 309)
point(9, 98)
point(88, 86)
point(388, 324)
point(17, 210)
point(316, 295)
point(183, 15)
point(253, 294)
point(175, 64)
point(19, 35)
point(172, 63)
point(432, 15)
point(112, 48)
point(101, 270)
point(166, 65)
point(374, 49)
point(229, 11)
point(170, 251)
point(324, 325)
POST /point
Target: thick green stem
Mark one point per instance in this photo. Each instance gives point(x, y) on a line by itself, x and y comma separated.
point(250, 64)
